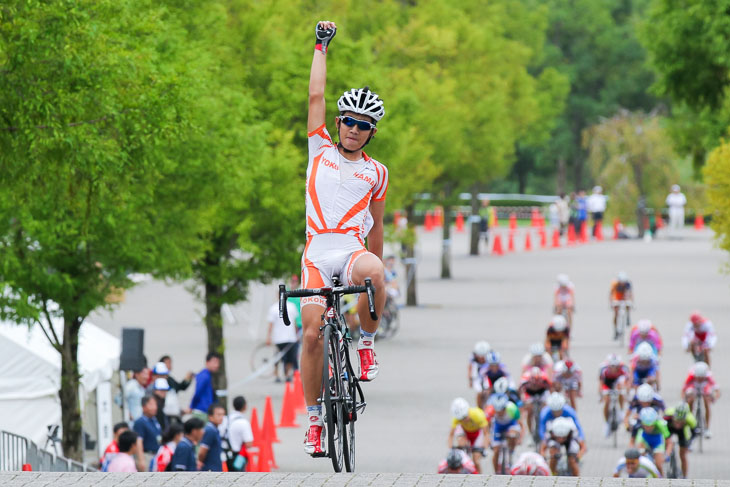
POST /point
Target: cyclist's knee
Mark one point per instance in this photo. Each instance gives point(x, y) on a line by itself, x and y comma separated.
point(369, 265)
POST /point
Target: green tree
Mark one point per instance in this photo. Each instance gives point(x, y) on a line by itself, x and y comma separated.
point(594, 44)
point(631, 156)
point(92, 108)
point(717, 176)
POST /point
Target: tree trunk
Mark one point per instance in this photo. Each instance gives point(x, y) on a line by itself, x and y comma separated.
point(446, 245)
point(474, 241)
point(214, 327)
point(411, 258)
point(561, 176)
point(69, 393)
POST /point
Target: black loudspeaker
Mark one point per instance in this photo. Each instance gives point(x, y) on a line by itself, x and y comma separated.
point(132, 349)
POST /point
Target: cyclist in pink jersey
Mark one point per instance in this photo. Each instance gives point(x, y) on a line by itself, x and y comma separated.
point(345, 203)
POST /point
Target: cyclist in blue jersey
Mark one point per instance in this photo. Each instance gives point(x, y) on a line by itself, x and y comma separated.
point(507, 426)
point(556, 408)
point(653, 437)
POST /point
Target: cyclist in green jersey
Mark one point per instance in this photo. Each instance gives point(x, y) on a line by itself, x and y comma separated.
point(681, 422)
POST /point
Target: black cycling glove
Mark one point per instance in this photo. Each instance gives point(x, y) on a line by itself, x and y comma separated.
point(323, 37)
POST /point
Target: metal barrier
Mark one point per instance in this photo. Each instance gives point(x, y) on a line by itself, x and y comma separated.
point(16, 451)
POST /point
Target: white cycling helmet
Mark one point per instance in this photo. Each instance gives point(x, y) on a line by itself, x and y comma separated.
point(623, 277)
point(556, 401)
point(560, 368)
point(644, 326)
point(501, 385)
point(613, 360)
point(648, 416)
point(645, 393)
point(537, 349)
point(563, 280)
point(561, 427)
point(460, 408)
point(493, 358)
point(644, 351)
point(482, 348)
point(559, 323)
point(362, 101)
point(500, 402)
point(700, 369)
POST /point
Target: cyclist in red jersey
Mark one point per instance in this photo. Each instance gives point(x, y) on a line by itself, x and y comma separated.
point(345, 202)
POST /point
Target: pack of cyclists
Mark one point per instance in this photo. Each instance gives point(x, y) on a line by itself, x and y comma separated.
point(541, 403)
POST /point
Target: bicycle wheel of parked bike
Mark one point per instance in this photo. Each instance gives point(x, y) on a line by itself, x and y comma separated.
point(332, 399)
point(263, 356)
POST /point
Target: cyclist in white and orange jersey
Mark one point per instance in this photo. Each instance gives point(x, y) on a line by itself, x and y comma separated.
point(345, 203)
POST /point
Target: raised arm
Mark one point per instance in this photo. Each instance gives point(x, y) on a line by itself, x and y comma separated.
point(324, 33)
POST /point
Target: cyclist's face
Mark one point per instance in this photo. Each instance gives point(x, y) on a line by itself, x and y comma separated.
point(353, 138)
point(632, 465)
point(649, 428)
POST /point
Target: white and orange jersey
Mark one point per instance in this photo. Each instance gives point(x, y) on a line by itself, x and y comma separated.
point(337, 204)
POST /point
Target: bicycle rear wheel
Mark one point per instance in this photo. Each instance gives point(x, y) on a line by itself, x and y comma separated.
point(263, 357)
point(332, 399)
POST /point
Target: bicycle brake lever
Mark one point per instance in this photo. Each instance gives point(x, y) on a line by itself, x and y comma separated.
point(370, 289)
point(283, 312)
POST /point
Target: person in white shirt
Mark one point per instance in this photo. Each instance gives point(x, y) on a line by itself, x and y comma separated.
point(596, 204)
point(239, 429)
point(134, 391)
point(284, 337)
point(676, 202)
point(563, 204)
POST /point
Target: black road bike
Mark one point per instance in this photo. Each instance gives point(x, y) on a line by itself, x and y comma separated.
point(341, 396)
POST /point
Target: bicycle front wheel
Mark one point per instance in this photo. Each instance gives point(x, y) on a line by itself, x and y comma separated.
point(332, 399)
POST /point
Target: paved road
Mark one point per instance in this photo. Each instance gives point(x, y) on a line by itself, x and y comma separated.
point(17, 479)
point(505, 300)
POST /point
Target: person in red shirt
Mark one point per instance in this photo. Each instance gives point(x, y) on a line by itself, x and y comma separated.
point(535, 385)
point(699, 382)
point(113, 447)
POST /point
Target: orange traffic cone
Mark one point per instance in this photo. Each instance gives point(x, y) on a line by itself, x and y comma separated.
point(396, 218)
point(599, 231)
point(556, 239)
point(428, 221)
point(27, 467)
point(438, 216)
point(583, 232)
point(300, 406)
point(571, 234)
point(255, 429)
point(512, 222)
point(459, 222)
point(511, 242)
point(543, 238)
point(528, 242)
point(497, 246)
point(288, 413)
point(535, 219)
point(496, 216)
point(268, 426)
point(616, 223)
point(659, 220)
point(699, 222)
point(265, 460)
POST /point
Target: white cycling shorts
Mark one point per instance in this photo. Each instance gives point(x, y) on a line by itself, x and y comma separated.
point(327, 255)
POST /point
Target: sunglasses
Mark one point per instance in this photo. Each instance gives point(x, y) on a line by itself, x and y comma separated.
point(361, 124)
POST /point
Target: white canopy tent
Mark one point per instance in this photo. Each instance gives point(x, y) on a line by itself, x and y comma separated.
point(30, 375)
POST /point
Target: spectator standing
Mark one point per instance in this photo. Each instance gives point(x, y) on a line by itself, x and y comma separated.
point(554, 216)
point(211, 448)
point(170, 439)
point(183, 459)
point(294, 284)
point(134, 391)
point(204, 395)
point(240, 435)
point(113, 448)
point(484, 212)
point(173, 410)
point(147, 426)
point(284, 337)
point(563, 212)
point(160, 389)
point(582, 210)
point(676, 202)
point(123, 461)
point(596, 205)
